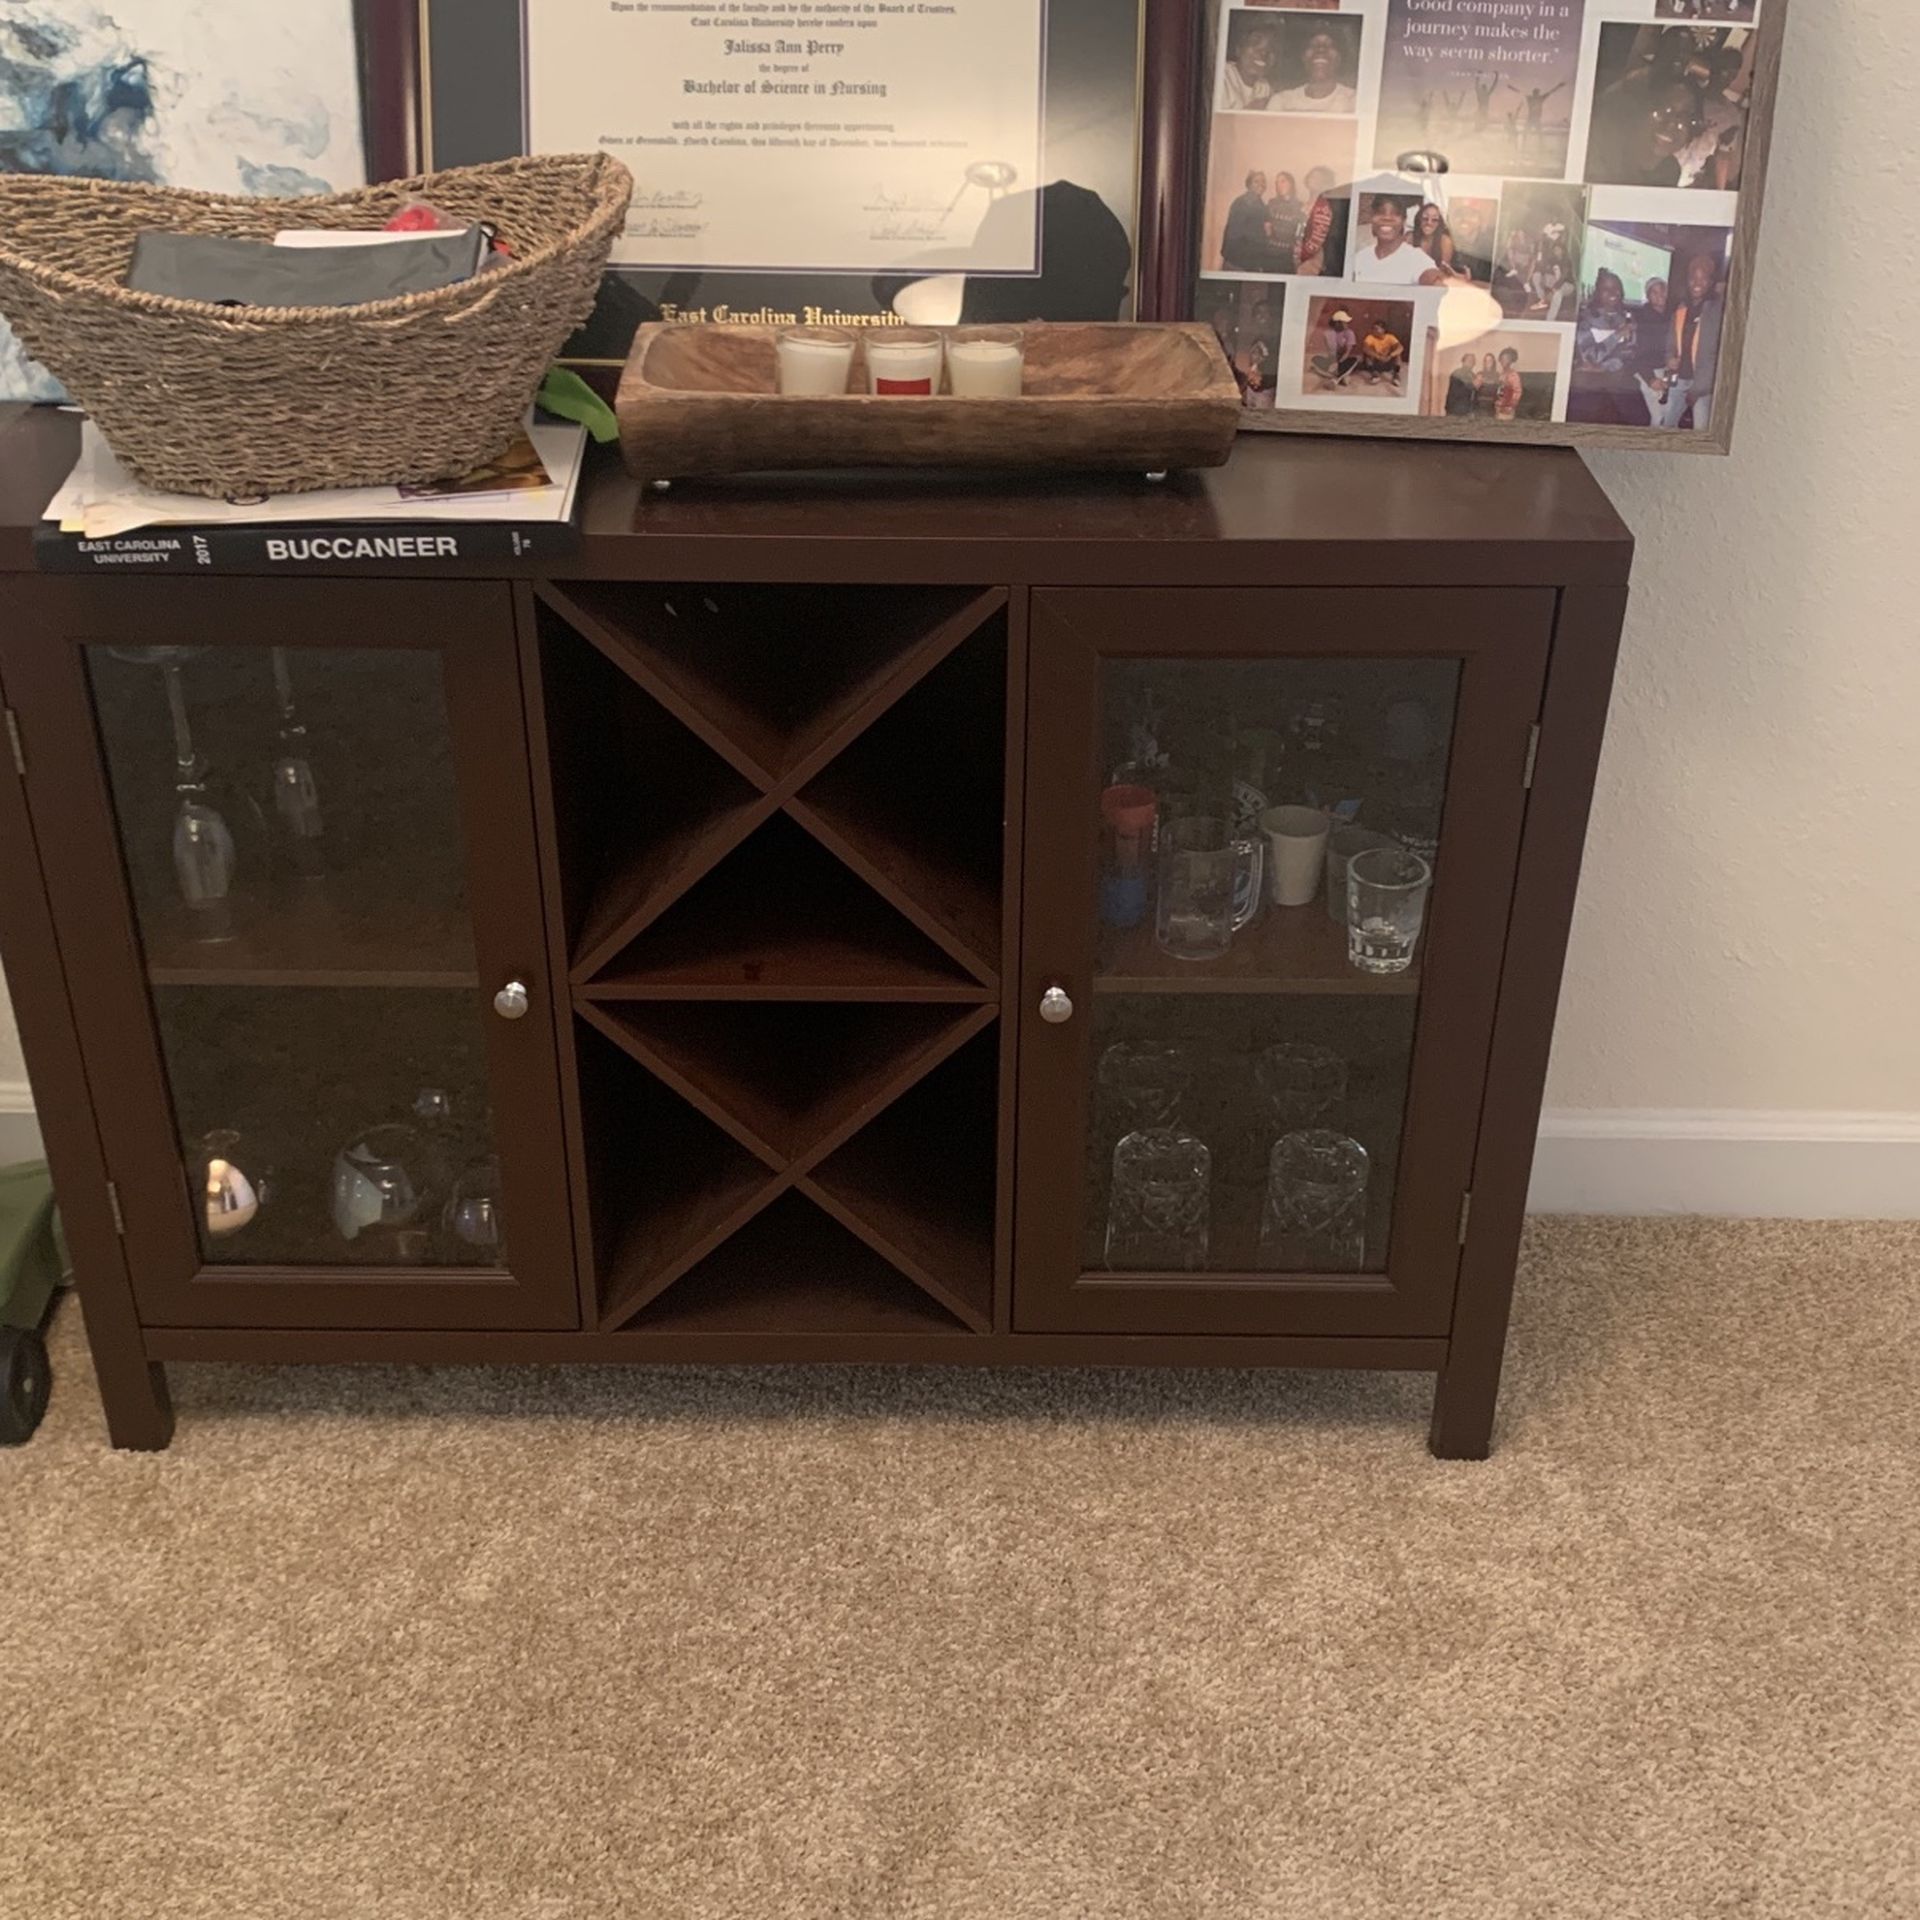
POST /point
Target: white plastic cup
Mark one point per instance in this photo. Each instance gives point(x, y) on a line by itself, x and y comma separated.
point(905, 361)
point(1297, 853)
point(815, 361)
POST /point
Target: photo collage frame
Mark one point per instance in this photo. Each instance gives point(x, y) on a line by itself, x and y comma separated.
point(1485, 219)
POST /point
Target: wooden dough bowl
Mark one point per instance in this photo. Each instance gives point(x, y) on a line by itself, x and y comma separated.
point(702, 401)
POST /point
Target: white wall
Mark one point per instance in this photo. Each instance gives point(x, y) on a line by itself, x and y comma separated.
point(1739, 1031)
point(19, 1140)
point(1742, 969)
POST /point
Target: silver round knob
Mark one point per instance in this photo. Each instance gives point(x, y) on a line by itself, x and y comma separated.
point(1056, 1006)
point(513, 1000)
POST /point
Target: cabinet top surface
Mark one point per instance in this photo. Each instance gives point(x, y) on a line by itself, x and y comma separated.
point(1285, 511)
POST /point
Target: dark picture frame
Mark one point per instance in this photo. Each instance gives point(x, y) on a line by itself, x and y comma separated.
point(391, 92)
point(1109, 63)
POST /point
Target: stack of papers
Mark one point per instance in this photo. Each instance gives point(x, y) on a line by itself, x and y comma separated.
point(534, 483)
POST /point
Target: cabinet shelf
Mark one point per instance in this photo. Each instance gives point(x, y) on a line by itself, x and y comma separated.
point(775, 679)
point(917, 804)
point(787, 1083)
point(307, 939)
point(918, 1183)
point(794, 1270)
point(1287, 950)
point(781, 919)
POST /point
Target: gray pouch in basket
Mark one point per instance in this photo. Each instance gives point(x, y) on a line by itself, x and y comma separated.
point(252, 273)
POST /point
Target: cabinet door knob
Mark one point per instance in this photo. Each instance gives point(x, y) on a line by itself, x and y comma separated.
point(1056, 1006)
point(513, 1000)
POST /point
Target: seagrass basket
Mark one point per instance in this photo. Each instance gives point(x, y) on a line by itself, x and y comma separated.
point(230, 402)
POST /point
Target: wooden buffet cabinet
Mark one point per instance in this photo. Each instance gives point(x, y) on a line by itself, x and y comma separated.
point(646, 961)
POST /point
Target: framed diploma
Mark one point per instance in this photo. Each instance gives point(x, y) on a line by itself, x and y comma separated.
point(826, 161)
point(1484, 219)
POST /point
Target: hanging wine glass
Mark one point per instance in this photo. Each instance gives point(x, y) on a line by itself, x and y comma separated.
point(203, 852)
point(204, 855)
point(296, 792)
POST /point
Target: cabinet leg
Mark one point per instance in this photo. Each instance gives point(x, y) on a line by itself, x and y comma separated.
point(133, 1390)
point(1464, 1403)
point(139, 1410)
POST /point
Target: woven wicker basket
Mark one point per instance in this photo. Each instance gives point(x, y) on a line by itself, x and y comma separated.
point(229, 402)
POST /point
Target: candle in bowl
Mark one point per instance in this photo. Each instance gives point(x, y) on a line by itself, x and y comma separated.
point(815, 360)
point(904, 360)
point(986, 363)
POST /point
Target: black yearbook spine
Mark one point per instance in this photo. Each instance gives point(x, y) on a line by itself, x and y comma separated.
point(369, 547)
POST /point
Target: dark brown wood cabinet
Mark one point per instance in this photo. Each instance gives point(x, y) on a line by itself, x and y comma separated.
point(730, 947)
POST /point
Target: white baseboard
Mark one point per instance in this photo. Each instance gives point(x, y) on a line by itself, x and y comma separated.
point(1736, 1165)
point(19, 1132)
point(1752, 1166)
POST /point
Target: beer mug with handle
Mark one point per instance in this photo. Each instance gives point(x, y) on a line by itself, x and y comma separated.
point(1210, 883)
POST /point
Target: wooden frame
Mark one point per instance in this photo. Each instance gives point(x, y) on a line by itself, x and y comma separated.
point(1769, 26)
point(392, 88)
point(397, 42)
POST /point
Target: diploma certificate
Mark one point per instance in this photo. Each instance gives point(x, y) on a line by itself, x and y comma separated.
point(804, 136)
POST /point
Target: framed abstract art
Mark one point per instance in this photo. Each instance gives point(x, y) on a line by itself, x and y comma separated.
point(224, 98)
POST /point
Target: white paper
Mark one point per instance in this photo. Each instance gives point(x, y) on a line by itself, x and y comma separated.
point(101, 499)
point(826, 136)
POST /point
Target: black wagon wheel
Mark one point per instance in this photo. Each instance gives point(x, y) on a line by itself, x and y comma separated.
point(25, 1382)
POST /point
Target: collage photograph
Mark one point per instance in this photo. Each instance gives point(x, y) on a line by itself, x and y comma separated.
point(1279, 195)
point(1508, 374)
point(1547, 233)
point(1276, 63)
point(1247, 317)
point(1494, 95)
point(1537, 248)
point(1670, 107)
point(1359, 349)
point(1652, 304)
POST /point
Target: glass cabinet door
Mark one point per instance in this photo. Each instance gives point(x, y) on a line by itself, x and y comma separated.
point(1270, 842)
point(330, 889)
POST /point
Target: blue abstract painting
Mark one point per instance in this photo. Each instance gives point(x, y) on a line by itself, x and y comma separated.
point(228, 96)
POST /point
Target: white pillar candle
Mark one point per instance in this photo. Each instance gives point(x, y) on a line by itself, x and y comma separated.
point(815, 360)
point(904, 360)
point(987, 364)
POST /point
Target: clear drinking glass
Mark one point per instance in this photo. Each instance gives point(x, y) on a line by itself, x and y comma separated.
point(1315, 1216)
point(1160, 1216)
point(1143, 1086)
point(1387, 892)
point(472, 1217)
point(1299, 1083)
point(1342, 844)
point(1209, 887)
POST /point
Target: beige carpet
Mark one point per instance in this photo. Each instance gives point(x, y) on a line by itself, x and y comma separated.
point(495, 1646)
